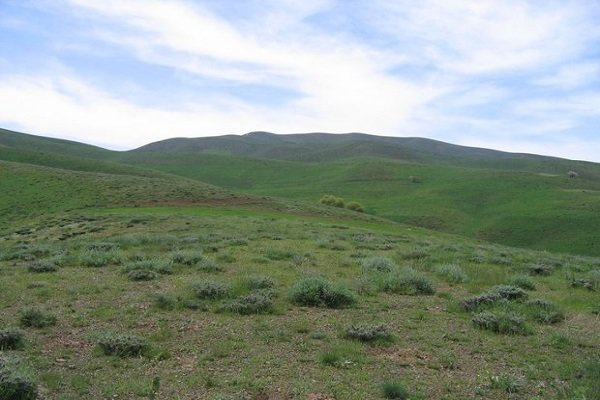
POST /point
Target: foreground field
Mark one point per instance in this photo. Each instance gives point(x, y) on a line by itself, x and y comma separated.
point(258, 305)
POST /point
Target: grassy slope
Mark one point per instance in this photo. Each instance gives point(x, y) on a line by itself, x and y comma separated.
point(520, 208)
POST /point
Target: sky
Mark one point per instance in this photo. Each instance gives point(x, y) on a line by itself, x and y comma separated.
point(513, 75)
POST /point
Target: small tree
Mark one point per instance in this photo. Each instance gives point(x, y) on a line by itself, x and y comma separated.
point(572, 174)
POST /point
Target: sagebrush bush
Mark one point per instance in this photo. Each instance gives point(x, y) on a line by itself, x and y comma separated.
point(141, 275)
point(100, 258)
point(540, 269)
point(208, 264)
point(163, 266)
point(406, 281)
point(379, 264)
point(521, 281)
point(505, 323)
point(211, 290)
point(42, 266)
point(186, 257)
point(11, 338)
point(369, 333)
point(14, 384)
point(279, 255)
point(260, 282)
point(255, 303)
point(102, 246)
point(452, 273)
point(355, 206)
point(544, 312)
point(493, 295)
point(164, 301)
point(32, 317)
point(331, 200)
point(395, 391)
point(414, 254)
point(508, 292)
point(319, 292)
point(122, 345)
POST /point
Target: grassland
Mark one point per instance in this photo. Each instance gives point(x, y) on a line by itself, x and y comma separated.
point(200, 348)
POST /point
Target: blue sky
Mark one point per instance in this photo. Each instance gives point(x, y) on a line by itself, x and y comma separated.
point(513, 75)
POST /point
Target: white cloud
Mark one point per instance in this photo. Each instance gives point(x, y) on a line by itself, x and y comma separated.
point(572, 75)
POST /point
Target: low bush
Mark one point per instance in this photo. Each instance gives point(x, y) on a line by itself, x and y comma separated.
point(260, 282)
point(331, 200)
point(544, 312)
point(355, 206)
point(164, 301)
point(505, 323)
point(521, 281)
point(366, 333)
point(211, 290)
point(406, 281)
point(141, 275)
point(35, 318)
point(395, 391)
point(42, 266)
point(11, 339)
point(155, 265)
point(508, 292)
point(255, 303)
point(452, 273)
point(122, 345)
point(493, 295)
point(186, 257)
point(540, 269)
point(414, 254)
point(14, 384)
point(100, 258)
point(379, 264)
point(319, 292)
point(208, 264)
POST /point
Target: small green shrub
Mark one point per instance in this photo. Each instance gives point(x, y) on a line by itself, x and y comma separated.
point(187, 257)
point(42, 266)
point(493, 295)
point(521, 281)
point(414, 254)
point(35, 318)
point(365, 333)
point(141, 275)
point(331, 358)
point(544, 312)
point(102, 246)
point(278, 255)
point(156, 265)
point(100, 258)
point(122, 345)
point(164, 301)
point(14, 384)
point(255, 303)
point(506, 382)
point(540, 269)
point(330, 200)
point(211, 290)
point(379, 264)
point(208, 264)
point(11, 338)
point(355, 206)
point(319, 292)
point(395, 391)
point(505, 323)
point(260, 282)
point(452, 273)
point(508, 292)
point(406, 281)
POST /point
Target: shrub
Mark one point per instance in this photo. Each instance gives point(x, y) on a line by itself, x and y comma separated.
point(414, 254)
point(319, 292)
point(100, 258)
point(42, 266)
point(255, 303)
point(142, 275)
point(354, 206)
point(187, 257)
point(544, 312)
point(211, 290)
point(278, 255)
point(14, 385)
point(394, 391)
point(11, 339)
point(208, 264)
point(494, 294)
point(508, 292)
point(102, 246)
point(506, 382)
point(164, 301)
point(331, 200)
point(522, 281)
point(260, 282)
point(452, 273)
point(369, 333)
point(35, 318)
point(158, 265)
point(506, 323)
point(540, 269)
point(379, 264)
point(122, 345)
point(407, 281)
point(581, 283)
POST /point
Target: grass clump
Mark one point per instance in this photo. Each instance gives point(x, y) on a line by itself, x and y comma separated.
point(331, 200)
point(208, 264)
point(505, 323)
point(260, 282)
point(164, 301)
point(378, 264)
point(187, 257)
point(365, 333)
point(506, 382)
point(355, 206)
point(42, 266)
point(99, 258)
point(14, 384)
point(319, 292)
point(540, 269)
point(142, 275)
point(452, 273)
point(122, 345)
point(521, 281)
point(395, 391)
point(211, 290)
point(157, 266)
point(35, 318)
point(544, 312)
point(11, 339)
point(255, 303)
point(406, 281)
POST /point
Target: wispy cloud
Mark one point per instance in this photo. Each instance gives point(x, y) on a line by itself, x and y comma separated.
point(495, 72)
